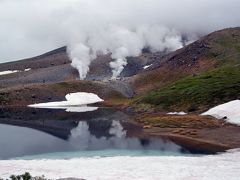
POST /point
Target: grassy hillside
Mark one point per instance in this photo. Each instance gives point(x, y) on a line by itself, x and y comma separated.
point(190, 93)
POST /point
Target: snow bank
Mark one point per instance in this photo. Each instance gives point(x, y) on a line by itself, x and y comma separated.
point(73, 108)
point(28, 69)
point(13, 71)
point(8, 72)
point(146, 67)
point(82, 98)
point(230, 110)
point(214, 167)
point(72, 99)
point(177, 113)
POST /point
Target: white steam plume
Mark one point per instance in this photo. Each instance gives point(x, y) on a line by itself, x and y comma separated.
point(81, 58)
point(121, 43)
point(119, 27)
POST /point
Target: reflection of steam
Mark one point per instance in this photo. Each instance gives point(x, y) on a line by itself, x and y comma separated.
point(117, 129)
point(82, 134)
point(82, 139)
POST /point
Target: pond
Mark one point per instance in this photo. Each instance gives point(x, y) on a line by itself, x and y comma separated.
point(28, 133)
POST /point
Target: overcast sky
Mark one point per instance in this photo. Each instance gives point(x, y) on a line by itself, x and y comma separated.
point(32, 27)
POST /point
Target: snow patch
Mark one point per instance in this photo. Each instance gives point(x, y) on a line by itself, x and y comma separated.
point(28, 69)
point(214, 167)
point(13, 71)
point(73, 108)
point(72, 99)
point(146, 67)
point(8, 72)
point(177, 113)
point(229, 111)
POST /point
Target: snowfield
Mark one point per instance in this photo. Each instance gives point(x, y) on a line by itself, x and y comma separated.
point(214, 167)
point(72, 99)
point(229, 111)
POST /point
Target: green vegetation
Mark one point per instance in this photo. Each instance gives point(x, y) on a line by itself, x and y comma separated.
point(226, 47)
point(210, 88)
point(3, 98)
point(26, 176)
point(228, 41)
point(65, 85)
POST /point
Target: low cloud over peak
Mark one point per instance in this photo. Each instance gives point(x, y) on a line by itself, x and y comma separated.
point(119, 27)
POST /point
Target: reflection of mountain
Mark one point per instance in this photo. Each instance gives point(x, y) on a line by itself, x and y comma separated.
point(60, 123)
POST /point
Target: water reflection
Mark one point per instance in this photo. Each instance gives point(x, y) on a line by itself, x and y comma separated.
point(42, 132)
point(60, 123)
point(82, 139)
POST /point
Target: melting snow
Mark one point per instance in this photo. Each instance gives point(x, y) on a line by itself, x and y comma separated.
point(177, 113)
point(28, 69)
point(229, 111)
point(146, 67)
point(13, 71)
point(72, 99)
point(214, 167)
point(8, 72)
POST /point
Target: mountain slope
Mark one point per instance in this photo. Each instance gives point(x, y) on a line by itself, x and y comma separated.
point(55, 66)
point(202, 74)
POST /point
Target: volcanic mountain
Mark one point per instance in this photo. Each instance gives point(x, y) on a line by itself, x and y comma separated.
point(199, 75)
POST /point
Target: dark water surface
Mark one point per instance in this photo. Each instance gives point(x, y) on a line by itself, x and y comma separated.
point(48, 133)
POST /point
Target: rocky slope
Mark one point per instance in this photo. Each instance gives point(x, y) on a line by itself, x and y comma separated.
point(55, 66)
